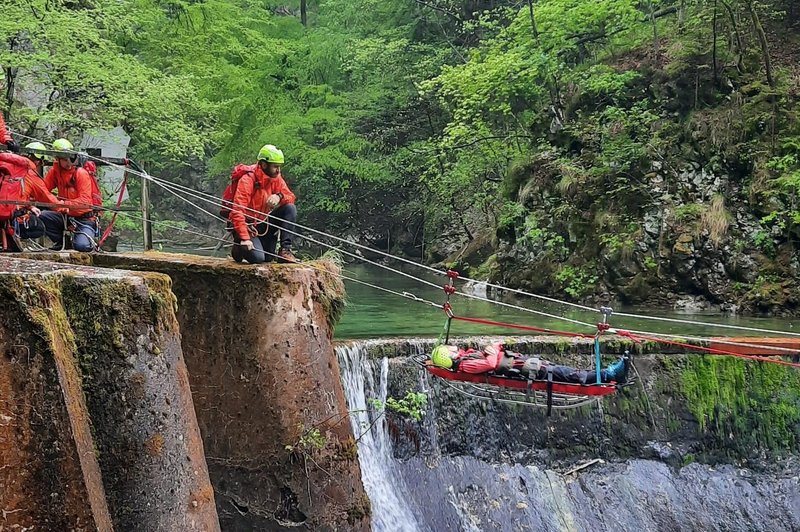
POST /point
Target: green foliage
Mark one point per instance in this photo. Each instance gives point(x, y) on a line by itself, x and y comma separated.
point(510, 215)
point(577, 281)
point(618, 243)
point(311, 439)
point(542, 239)
point(411, 406)
point(602, 80)
point(764, 242)
point(689, 212)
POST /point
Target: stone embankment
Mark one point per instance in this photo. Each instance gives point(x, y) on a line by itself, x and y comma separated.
point(103, 425)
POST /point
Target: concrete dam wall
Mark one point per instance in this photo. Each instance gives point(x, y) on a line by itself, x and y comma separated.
point(170, 392)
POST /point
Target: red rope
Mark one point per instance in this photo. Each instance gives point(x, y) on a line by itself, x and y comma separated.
point(119, 202)
point(522, 327)
point(710, 350)
point(634, 337)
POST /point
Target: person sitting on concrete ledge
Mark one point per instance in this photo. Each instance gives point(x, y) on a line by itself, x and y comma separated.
point(20, 181)
point(497, 359)
point(74, 187)
point(261, 190)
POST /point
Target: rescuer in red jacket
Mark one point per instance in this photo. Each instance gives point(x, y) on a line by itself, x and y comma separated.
point(74, 188)
point(260, 191)
point(20, 181)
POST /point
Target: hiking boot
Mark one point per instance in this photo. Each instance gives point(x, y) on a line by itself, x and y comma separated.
point(286, 255)
point(618, 371)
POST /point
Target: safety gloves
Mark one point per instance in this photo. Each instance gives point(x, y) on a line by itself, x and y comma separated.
point(247, 244)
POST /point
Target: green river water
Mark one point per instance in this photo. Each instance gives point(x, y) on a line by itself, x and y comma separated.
point(372, 313)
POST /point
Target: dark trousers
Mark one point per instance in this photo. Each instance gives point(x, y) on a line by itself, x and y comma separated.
point(82, 238)
point(255, 255)
point(282, 219)
point(29, 227)
point(572, 375)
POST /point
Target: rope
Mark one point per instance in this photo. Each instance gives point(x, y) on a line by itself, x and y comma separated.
point(217, 201)
point(522, 327)
point(786, 350)
point(641, 335)
point(712, 351)
point(406, 295)
point(705, 324)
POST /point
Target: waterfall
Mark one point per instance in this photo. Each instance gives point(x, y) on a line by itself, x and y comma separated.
point(390, 511)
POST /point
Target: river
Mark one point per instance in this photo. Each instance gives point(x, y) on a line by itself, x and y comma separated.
point(372, 313)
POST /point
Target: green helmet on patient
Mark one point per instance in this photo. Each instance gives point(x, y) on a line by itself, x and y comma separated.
point(441, 357)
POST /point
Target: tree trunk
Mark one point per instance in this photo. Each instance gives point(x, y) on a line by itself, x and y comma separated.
point(552, 82)
point(735, 28)
point(303, 14)
point(11, 80)
point(656, 52)
point(762, 41)
point(681, 16)
point(533, 22)
point(714, 47)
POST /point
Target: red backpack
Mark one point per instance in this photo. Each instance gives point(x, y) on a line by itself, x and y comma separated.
point(11, 189)
point(97, 194)
point(230, 191)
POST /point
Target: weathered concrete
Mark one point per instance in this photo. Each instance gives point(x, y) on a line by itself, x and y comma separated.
point(87, 347)
point(265, 382)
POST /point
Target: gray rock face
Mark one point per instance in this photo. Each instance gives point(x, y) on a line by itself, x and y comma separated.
point(464, 493)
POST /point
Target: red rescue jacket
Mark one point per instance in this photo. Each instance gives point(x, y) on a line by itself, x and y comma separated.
point(33, 188)
point(74, 187)
point(251, 198)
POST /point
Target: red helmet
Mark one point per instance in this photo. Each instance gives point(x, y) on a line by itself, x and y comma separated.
point(90, 167)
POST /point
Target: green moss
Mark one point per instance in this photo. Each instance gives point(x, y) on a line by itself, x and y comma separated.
point(360, 510)
point(744, 405)
point(330, 293)
point(562, 345)
point(102, 313)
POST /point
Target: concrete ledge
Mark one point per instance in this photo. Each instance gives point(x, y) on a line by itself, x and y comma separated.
point(95, 403)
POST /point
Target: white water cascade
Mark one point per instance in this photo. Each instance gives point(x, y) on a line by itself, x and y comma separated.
point(390, 512)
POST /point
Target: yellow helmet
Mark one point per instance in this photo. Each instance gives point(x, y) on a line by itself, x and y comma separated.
point(441, 357)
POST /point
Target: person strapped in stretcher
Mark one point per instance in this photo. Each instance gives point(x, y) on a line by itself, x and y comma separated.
point(500, 361)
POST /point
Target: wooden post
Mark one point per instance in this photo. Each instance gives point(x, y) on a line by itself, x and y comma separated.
point(147, 226)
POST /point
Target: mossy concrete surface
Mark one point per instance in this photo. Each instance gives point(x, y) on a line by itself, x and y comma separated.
point(267, 391)
point(97, 425)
